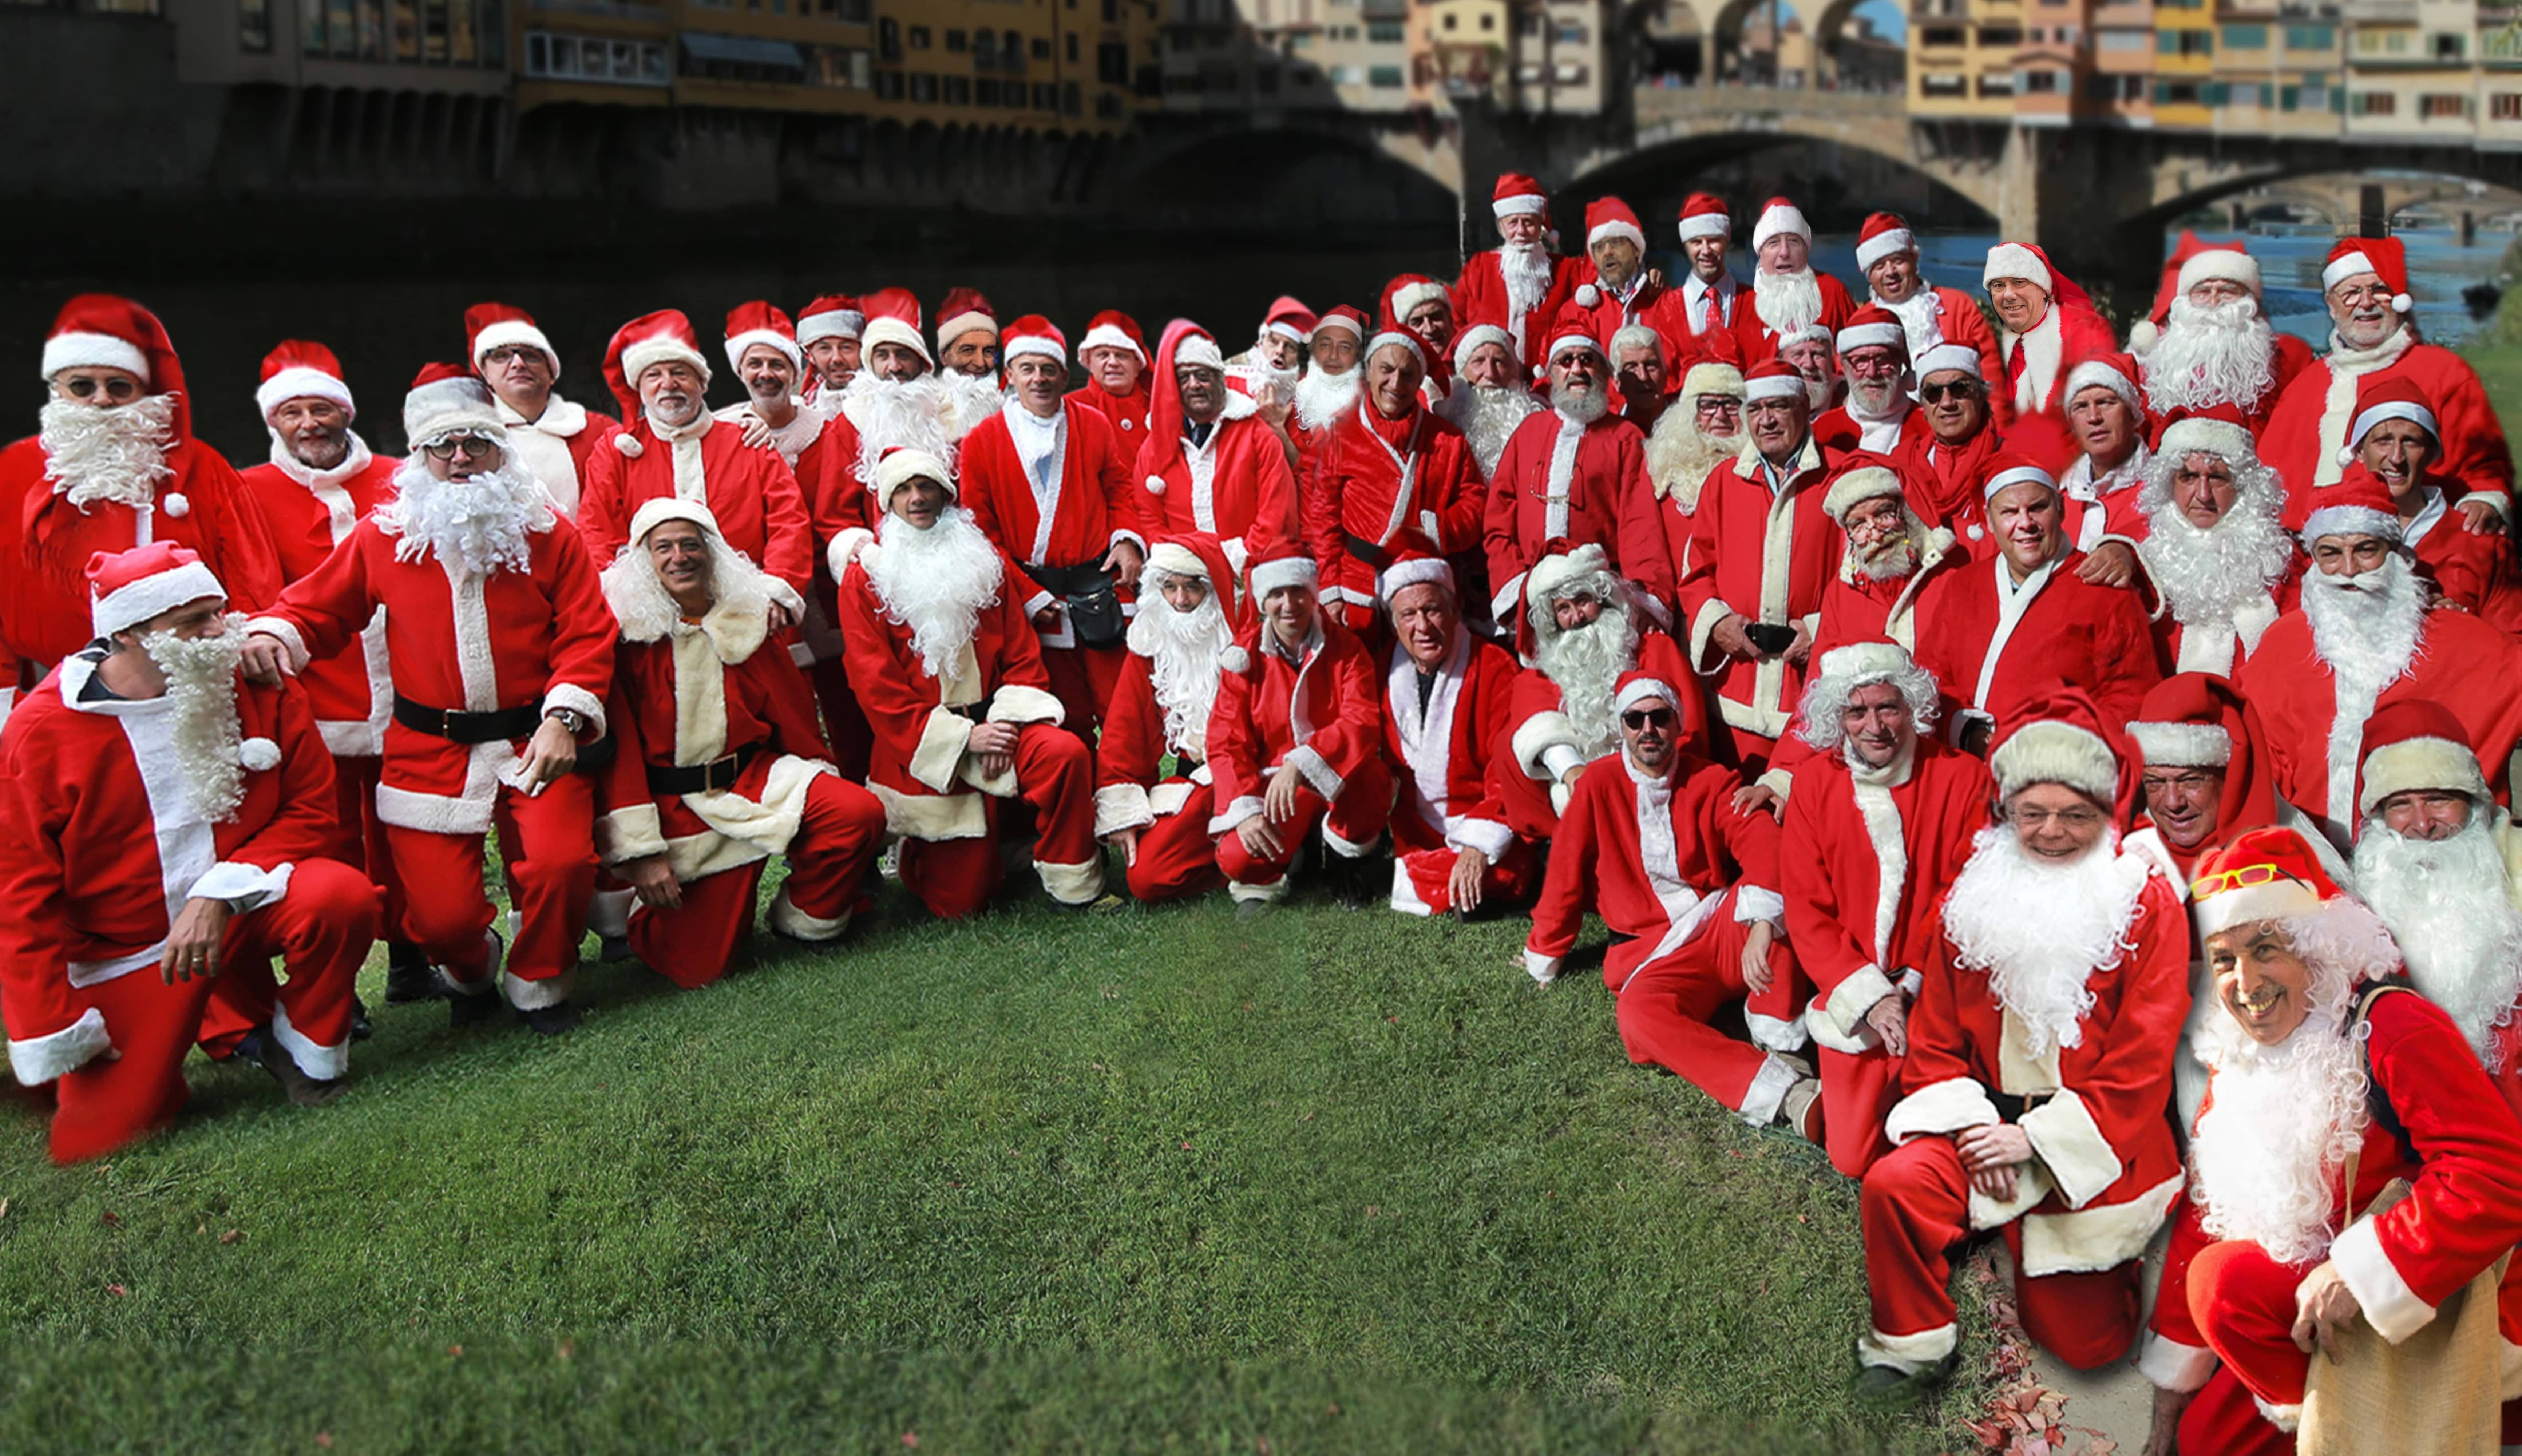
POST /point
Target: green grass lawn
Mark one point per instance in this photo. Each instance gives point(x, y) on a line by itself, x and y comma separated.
point(1124, 1180)
point(2500, 369)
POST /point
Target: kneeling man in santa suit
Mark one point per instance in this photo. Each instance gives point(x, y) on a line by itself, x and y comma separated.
point(719, 764)
point(1877, 826)
point(2215, 546)
point(956, 690)
point(1686, 883)
point(2331, 1078)
point(1890, 557)
point(2040, 1064)
point(161, 837)
point(1186, 622)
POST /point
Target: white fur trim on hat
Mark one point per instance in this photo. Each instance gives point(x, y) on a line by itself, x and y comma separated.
point(1708, 225)
point(1286, 571)
point(2197, 434)
point(889, 330)
point(2094, 372)
point(451, 406)
point(1774, 387)
point(739, 344)
point(1503, 208)
point(1863, 662)
point(1617, 227)
point(2018, 475)
point(1552, 572)
point(1565, 342)
point(2280, 899)
point(1040, 346)
point(831, 323)
point(137, 601)
point(1641, 689)
point(1945, 358)
point(2014, 261)
point(509, 333)
point(971, 320)
point(2228, 264)
point(1396, 337)
point(1470, 339)
point(2056, 752)
point(1867, 335)
point(2438, 763)
point(1285, 330)
point(1882, 245)
point(1337, 321)
point(1863, 484)
point(1778, 219)
point(1414, 572)
point(1201, 351)
point(93, 351)
point(1712, 379)
point(660, 349)
point(1175, 559)
point(2181, 745)
point(2352, 520)
point(901, 467)
point(299, 381)
point(2344, 267)
point(2391, 409)
point(659, 509)
point(1109, 336)
point(1412, 295)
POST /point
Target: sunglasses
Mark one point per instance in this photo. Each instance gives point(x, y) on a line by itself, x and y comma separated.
point(119, 391)
point(2235, 879)
point(1934, 393)
point(474, 447)
point(1640, 718)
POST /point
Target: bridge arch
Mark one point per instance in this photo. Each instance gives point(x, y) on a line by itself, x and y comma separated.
point(1293, 176)
point(1670, 161)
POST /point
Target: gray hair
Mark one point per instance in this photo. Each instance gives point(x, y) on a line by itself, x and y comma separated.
point(1826, 698)
point(1638, 336)
point(2254, 479)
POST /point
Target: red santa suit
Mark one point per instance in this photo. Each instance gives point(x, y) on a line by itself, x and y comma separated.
point(2036, 363)
point(1384, 477)
point(1559, 484)
point(1945, 483)
point(1759, 341)
point(2308, 429)
point(556, 445)
point(1762, 546)
point(1481, 296)
point(1544, 746)
point(1608, 311)
point(1175, 855)
point(2474, 569)
point(1859, 608)
point(1716, 313)
point(1231, 481)
point(1995, 645)
point(1443, 746)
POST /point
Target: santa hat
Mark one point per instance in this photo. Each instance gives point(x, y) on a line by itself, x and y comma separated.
point(2008, 468)
point(2116, 372)
point(834, 316)
point(1415, 565)
point(1516, 193)
point(1772, 378)
point(964, 312)
point(2387, 397)
point(1945, 358)
point(128, 588)
point(659, 509)
point(1611, 217)
point(1408, 292)
point(1289, 318)
point(1873, 326)
point(2416, 743)
point(2199, 434)
point(665, 337)
point(2213, 261)
point(98, 330)
point(302, 369)
point(1777, 216)
point(1703, 215)
point(1883, 235)
point(1398, 335)
point(756, 322)
point(1860, 478)
point(2182, 726)
point(1573, 328)
point(1279, 565)
point(1864, 664)
point(901, 464)
point(2023, 260)
point(494, 325)
point(1198, 553)
point(448, 399)
point(1034, 335)
point(2059, 739)
point(1341, 317)
point(1712, 379)
point(2148, 329)
point(1469, 340)
point(893, 317)
point(1112, 329)
point(2266, 874)
point(2385, 257)
point(1183, 342)
point(1636, 685)
point(2359, 504)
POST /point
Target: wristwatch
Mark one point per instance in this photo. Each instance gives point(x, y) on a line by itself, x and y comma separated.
point(570, 718)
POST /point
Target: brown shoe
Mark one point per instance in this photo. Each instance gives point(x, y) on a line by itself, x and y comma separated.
point(304, 1090)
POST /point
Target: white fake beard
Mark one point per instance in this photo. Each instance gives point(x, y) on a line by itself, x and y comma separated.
point(1679, 454)
point(1585, 664)
point(2224, 354)
point(2268, 1150)
point(1584, 406)
point(889, 412)
point(1789, 302)
point(1487, 415)
point(2040, 930)
point(2206, 576)
point(1322, 398)
point(480, 524)
point(117, 455)
point(934, 581)
point(201, 692)
point(1526, 270)
point(1821, 396)
point(1892, 559)
point(2446, 904)
point(1182, 650)
point(1875, 400)
point(2366, 629)
point(970, 399)
point(1921, 319)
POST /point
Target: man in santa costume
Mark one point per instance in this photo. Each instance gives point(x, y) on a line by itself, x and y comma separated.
point(1420, 305)
point(1890, 560)
point(717, 764)
point(674, 447)
point(1186, 622)
point(553, 439)
point(1395, 469)
point(1327, 392)
point(1294, 739)
point(1268, 371)
point(1949, 462)
point(113, 466)
point(1642, 371)
point(1712, 300)
point(2039, 1060)
point(897, 401)
point(1787, 294)
point(2049, 324)
point(2107, 421)
point(1762, 549)
point(1575, 475)
point(2216, 551)
point(1209, 463)
point(501, 653)
point(1490, 396)
point(1686, 883)
point(1880, 823)
point(1887, 252)
point(2396, 441)
point(2363, 638)
point(1811, 353)
point(968, 355)
point(2373, 332)
point(1621, 290)
point(1114, 355)
point(2331, 1079)
point(828, 332)
point(762, 349)
point(2218, 355)
point(1879, 415)
point(166, 829)
point(2006, 633)
point(1046, 482)
point(1446, 697)
point(1702, 431)
point(1519, 286)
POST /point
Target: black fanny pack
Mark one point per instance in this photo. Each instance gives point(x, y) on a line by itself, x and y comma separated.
point(1093, 605)
point(467, 728)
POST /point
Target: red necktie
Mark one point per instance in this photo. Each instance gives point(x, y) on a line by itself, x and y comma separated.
point(1715, 310)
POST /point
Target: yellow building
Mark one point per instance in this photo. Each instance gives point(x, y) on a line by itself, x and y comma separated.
point(2184, 63)
point(1961, 57)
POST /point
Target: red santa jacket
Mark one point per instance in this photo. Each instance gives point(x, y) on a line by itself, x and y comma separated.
point(1729, 301)
point(309, 513)
point(749, 489)
point(1994, 652)
point(45, 543)
point(1542, 742)
point(1321, 713)
point(557, 446)
point(1759, 341)
point(2036, 363)
point(1657, 307)
point(1857, 608)
point(2309, 426)
point(1237, 488)
point(1448, 757)
point(1767, 555)
point(542, 638)
point(1480, 297)
point(2104, 1169)
point(1126, 413)
point(1842, 431)
point(1382, 478)
point(1654, 856)
point(1942, 485)
point(1095, 507)
point(2474, 569)
point(1559, 486)
point(2290, 355)
point(101, 845)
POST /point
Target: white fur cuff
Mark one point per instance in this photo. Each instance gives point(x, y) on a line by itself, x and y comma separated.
point(844, 547)
point(2082, 1162)
point(580, 701)
point(1015, 702)
point(1489, 837)
point(286, 632)
point(940, 748)
point(1537, 736)
point(38, 1060)
point(2395, 1310)
point(1121, 805)
point(1542, 969)
point(1231, 817)
point(632, 833)
point(2170, 1365)
point(1317, 770)
point(1951, 1105)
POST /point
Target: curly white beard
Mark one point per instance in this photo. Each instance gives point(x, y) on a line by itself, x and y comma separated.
point(889, 412)
point(934, 581)
point(2265, 1158)
point(2224, 354)
point(1921, 319)
point(1679, 454)
point(1322, 398)
point(970, 399)
point(2445, 903)
point(480, 524)
point(1182, 650)
point(1891, 559)
point(2206, 574)
point(117, 455)
point(1789, 302)
point(1585, 662)
point(1487, 415)
point(1583, 405)
point(2040, 930)
point(201, 692)
point(2367, 626)
point(1526, 270)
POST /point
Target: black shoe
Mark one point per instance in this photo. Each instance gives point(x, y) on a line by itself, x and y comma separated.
point(470, 1010)
point(551, 1020)
point(1882, 1388)
point(361, 1027)
point(409, 977)
point(1254, 910)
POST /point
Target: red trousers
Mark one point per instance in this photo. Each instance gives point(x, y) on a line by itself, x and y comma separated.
point(549, 841)
point(321, 930)
point(1175, 855)
point(1422, 881)
point(362, 840)
point(1857, 1093)
point(1915, 1211)
point(1055, 775)
point(1665, 1005)
point(827, 861)
point(1083, 679)
point(1350, 825)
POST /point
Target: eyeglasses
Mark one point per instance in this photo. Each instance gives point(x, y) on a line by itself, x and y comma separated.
point(1642, 718)
point(2235, 879)
point(1934, 393)
point(474, 447)
point(2069, 818)
point(510, 353)
point(119, 391)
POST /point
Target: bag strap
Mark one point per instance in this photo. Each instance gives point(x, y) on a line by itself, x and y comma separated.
point(2378, 1101)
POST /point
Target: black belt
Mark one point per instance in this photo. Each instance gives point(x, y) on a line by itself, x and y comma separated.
point(2012, 1108)
point(699, 778)
point(1366, 550)
point(467, 727)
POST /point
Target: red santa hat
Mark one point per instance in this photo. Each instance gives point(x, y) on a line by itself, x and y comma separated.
point(1871, 326)
point(661, 337)
point(893, 317)
point(2200, 721)
point(1408, 292)
point(128, 588)
point(964, 312)
point(302, 369)
point(1034, 335)
point(1469, 340)
point(494, 325)
point(2058, 739)
point(1703, 215)
point(2116, 372)
point(1861, 476)
point(1401, 336)
point(1611, 217)
point(1778, 216)
point(1883, 235)
point(2024, 261)
point(2266, 875)
point(1198, 553)
point(901, 464)
point(1516, 193)
point(1773, 378)
point(2228, 261)
point(834, 316)
point(1289, 318)
point(1279, 565)
point(1573, 328)
point(1112, 329)
point(448, 400)
point(1949, 356)
point(2416, 743)
point(1636, 685)
point(1415, 565)
point(1183, 342)
point(2007, 468)
point(1342, 317)
point(98, 330)
point(2384, 258)
point(756, 322)
point(2359, 504)
point(2387, 397)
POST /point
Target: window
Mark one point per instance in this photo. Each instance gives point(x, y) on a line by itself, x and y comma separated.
point(958, 90)
point(1112, 63)
point(1046, 97)
point(1384, 32)
point(253, 26)
point(954, 42)
point(1940, 35)
point(2000, 35)
point(2441, 107)
point(1072, 101)
point(919, 40)
point(2373, 104)
point(2215, 93)
point(2039, 82)
point(1111, 12)
point(1943, 83)
point(2311, 38)
point(888, 39)
point(2505, 105)
point(2001, 85)
point(2121, 42)
point(2175, 93)
point(557, 57)
point(1488, 22)
point(1383, 77)
point(2101, 88)
point(1072, 47)
point(888, 85)
point(923, 87)
point(1040, 47)
point(1570, 33)
point(2450, 47)
point(2246, 37)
